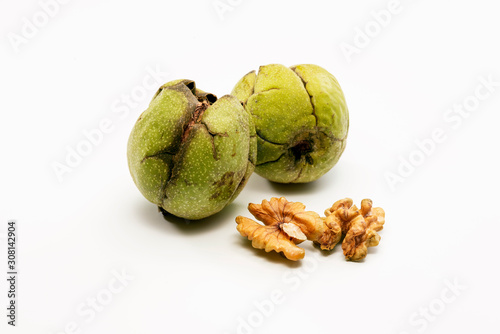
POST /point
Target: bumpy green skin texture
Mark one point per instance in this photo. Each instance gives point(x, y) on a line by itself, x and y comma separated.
point(192, 167)
point(301, 119)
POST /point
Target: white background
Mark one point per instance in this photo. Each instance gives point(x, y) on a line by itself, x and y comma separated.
point(441, 229)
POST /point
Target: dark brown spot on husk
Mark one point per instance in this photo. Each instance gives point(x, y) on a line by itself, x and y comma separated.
point(302, 148)
point(223, 185)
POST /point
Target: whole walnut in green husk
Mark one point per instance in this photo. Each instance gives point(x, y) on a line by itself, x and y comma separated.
point(301, 119)
point(191, 153)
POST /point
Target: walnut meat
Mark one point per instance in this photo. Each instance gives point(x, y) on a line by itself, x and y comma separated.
point(359, 226)
point(270, 238)
point(286, 225)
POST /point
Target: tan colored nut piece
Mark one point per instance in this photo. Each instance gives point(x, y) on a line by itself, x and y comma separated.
point(359, 226)
point(286, 225)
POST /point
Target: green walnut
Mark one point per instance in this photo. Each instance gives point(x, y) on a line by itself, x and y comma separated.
point(301, 120)
point(191, 153)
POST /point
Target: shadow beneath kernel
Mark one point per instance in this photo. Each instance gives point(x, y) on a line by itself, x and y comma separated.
point(273, 257)
point(324, 253)
point(371, 251)
point(296, 188)
point(164, 220)
point(334, 253)
point(338, 249)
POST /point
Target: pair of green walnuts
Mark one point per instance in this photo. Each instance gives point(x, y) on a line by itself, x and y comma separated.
point(191, 153)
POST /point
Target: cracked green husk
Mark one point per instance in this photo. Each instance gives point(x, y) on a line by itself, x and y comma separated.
point(190, 153)
point(301, 120)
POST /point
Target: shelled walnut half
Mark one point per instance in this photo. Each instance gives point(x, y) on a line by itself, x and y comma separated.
point(359, 226)
point(286, 225)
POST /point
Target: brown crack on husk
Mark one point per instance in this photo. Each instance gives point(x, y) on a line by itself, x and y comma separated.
point(195, 119)
point(304, 83)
